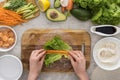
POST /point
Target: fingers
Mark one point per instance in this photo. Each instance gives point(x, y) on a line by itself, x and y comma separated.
point(71, 59)
point(74, 56)
point(77, 55)
point(40, 51)
point(41, 54)
point(35, 52)
point(42, 59)
point(38, 54)
point(82, 55)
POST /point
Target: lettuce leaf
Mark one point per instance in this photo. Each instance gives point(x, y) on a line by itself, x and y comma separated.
point(51, 58)
point(109, 15)
point(14, 4)
point(104, 11)
point(56, 43)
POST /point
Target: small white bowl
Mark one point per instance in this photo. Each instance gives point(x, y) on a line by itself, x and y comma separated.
point(10, 67)
point(8, 49)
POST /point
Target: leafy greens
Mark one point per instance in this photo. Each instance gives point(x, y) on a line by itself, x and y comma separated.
point(56, 43)
point(104, 11)
point(14, 4)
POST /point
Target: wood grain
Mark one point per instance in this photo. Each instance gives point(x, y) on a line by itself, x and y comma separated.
point(35, 39)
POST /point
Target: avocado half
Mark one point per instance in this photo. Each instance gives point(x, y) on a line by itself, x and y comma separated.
point(54, 15)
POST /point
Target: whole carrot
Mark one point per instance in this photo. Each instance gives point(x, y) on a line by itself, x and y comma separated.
point(70, 5)
point(63, 9)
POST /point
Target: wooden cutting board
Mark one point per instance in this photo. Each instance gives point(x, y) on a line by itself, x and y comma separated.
point(35, 39)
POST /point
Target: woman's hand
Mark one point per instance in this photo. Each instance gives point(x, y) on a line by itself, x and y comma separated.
point(36, 62)
point(79, 64)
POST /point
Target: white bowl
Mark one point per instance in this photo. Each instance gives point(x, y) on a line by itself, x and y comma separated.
point(8, 49)
point(10, 67)
point(97, 49)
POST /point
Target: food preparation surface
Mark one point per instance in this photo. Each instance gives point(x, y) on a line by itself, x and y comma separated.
point(41, 22)
point(35, 39)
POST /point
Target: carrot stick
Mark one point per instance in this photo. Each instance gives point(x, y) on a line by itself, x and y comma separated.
point(10, 18)
point(56, 51)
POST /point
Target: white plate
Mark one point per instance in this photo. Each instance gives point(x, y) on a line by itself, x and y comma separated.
point(97, 49)
point(10, 67)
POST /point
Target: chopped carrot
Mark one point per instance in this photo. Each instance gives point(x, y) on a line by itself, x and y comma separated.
point(10, 18)
point(70, 5)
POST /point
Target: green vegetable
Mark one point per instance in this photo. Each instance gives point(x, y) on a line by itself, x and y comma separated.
point(88, 3)
point(27, 11)
point(51, 58)
point(81, 14)
point(54, 15)
point(55, 43)
point(110, 15)
point(14, 4)
point(97, 16)
point(104, 11)
point(30, 13)
point(56, 3)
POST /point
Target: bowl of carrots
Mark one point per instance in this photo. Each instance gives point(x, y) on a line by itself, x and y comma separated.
point(8, 38)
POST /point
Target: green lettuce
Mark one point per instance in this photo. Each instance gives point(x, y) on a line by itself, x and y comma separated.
point(14, 4)
point(104, 11)
point(56, 43)
point(109, 15)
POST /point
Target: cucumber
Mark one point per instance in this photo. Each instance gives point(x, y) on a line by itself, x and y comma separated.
point(81, 14)
point(56, 3)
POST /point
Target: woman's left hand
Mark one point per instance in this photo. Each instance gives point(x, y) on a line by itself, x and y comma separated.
point(36, 63)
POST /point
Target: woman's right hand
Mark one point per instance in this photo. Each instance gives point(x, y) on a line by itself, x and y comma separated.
point(79, 64)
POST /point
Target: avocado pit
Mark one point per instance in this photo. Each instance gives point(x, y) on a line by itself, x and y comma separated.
point(53, 15)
